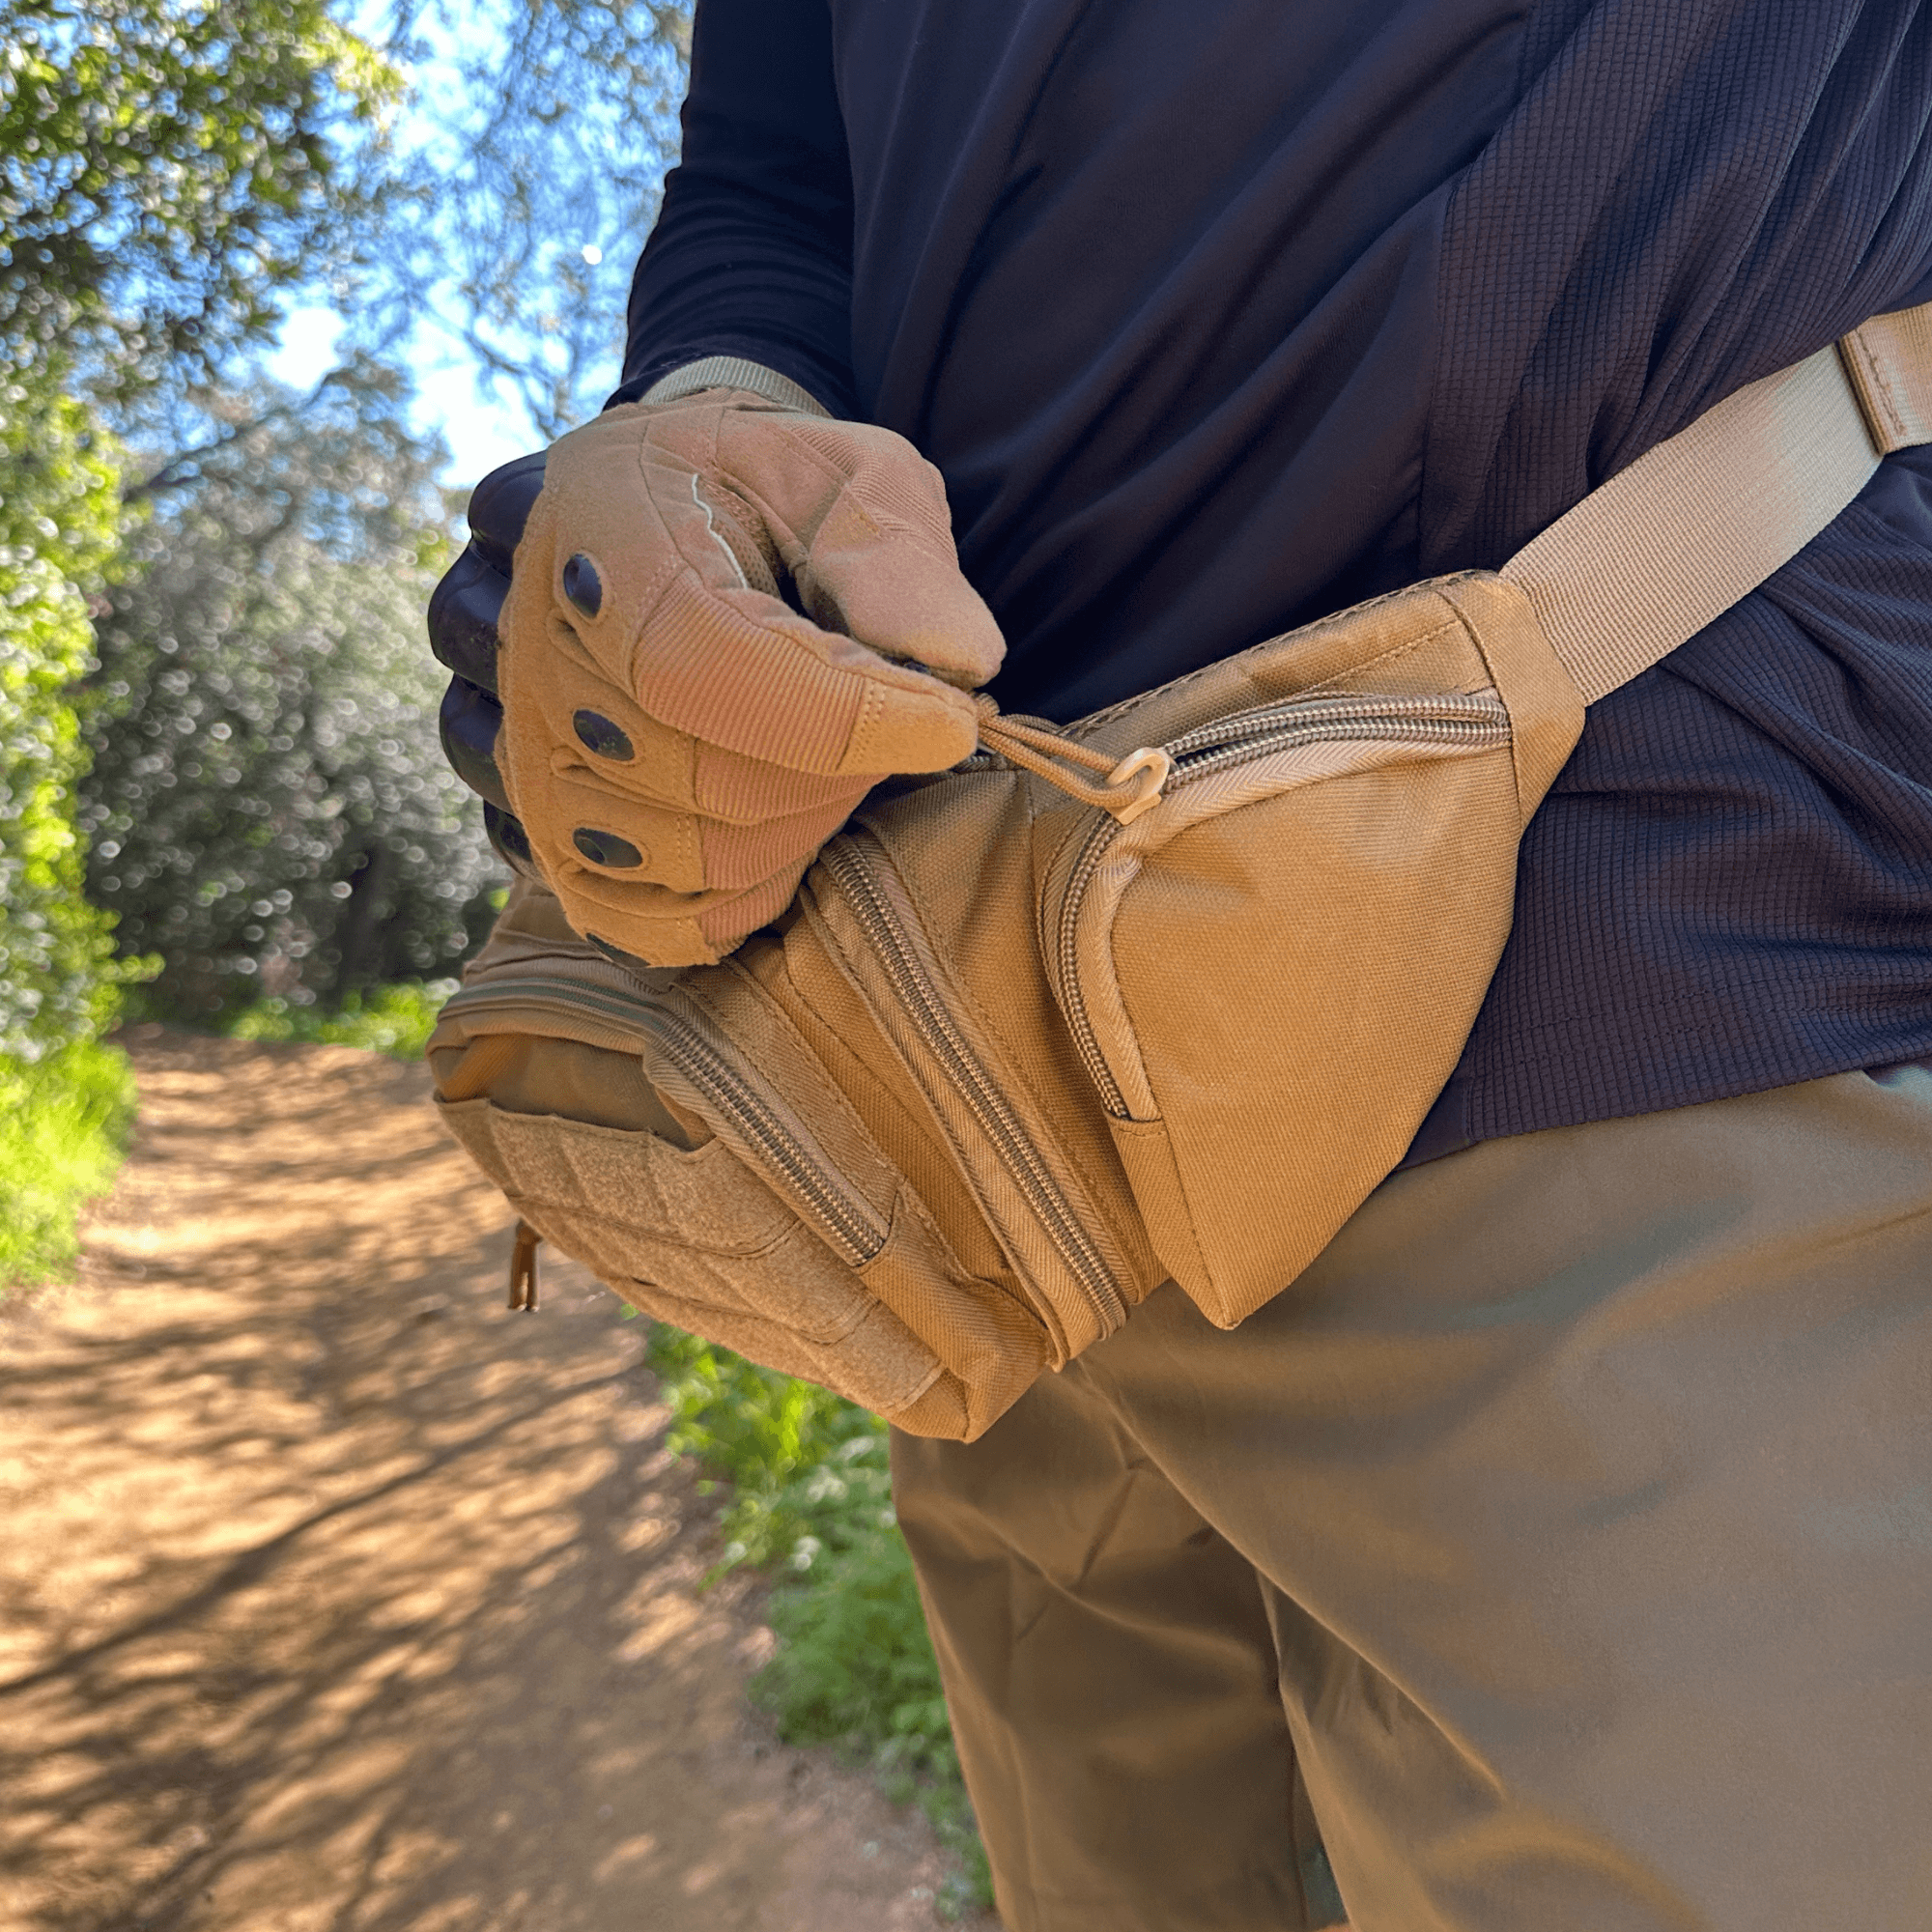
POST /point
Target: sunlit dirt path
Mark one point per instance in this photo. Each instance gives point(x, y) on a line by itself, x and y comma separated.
point(336, 1597)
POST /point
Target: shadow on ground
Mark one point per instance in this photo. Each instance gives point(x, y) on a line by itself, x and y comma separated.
point(333, 1595)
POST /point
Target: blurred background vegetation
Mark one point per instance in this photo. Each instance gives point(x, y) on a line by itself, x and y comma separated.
point(221, 801)
point(278, 280)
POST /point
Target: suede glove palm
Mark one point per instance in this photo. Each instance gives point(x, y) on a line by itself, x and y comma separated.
point(725, 621)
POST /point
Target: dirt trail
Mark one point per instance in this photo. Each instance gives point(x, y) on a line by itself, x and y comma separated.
point(335, 1597)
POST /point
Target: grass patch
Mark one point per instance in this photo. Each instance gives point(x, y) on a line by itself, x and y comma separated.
point(394, 1019)
point(64, 1126)
point(809, 1500)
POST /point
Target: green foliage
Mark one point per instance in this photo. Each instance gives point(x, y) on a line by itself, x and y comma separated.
point(60, 517)
point(269, 809)
point(167, 167)
point(63, 1124)
point(165, 170)
point(855, 1668)
point(812, 1496)
point(396, 1020)
point(804, 1464)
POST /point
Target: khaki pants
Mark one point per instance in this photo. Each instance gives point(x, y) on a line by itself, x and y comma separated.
point(1567, 1528)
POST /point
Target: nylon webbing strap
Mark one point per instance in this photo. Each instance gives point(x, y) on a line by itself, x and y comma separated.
point(1671, 543)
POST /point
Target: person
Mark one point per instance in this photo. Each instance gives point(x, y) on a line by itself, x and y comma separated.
point(1554, 1552)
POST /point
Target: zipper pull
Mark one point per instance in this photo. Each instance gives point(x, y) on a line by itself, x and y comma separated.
point(1034, 747)
point(526, 1278)
point(1153, 767)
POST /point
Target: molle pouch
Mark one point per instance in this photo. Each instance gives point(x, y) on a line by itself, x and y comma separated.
point(704, 1142)
point(1029, 1043)
point(1165, 994)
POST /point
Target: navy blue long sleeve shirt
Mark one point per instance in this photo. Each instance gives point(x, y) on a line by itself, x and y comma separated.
point(1220, 315)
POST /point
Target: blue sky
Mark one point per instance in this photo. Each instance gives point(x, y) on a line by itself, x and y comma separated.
point(481, 430)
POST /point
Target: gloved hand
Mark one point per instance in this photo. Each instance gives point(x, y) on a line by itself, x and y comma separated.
point(726, 620)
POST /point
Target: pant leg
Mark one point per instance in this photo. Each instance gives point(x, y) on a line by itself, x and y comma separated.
point(1111, 1676)
point(1591, 1474)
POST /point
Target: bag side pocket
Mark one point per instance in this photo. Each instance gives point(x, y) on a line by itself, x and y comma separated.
point(1272, 972)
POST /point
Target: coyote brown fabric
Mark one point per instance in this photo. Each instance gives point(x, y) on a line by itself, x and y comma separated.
point(1889, 362)
point(1008, 1062)
point(1276, 966)
point(551, 1099)
point(678, 738)
point(1639, 564)
point(902, 1034)
point(1564, 1525)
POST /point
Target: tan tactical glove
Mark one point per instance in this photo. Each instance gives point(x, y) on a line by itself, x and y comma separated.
point(678, 739)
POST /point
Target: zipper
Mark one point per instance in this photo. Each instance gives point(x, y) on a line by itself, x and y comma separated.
point(1018, 1152)
point(855, 1231)
point(1476, 721)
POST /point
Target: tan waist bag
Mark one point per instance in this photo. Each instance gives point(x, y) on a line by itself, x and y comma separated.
point(1166, 994)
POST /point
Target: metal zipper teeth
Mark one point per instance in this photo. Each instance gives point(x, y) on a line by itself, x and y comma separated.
point(857, 1232)
point(1481, 723)
point(920, 999)
point(1388, 716)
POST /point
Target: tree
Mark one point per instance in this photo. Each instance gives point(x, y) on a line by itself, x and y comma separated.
point(169, 169)
point(270, 811)
point(60, 518)
point(172, 172)
point(163, 167)
point(535, 185)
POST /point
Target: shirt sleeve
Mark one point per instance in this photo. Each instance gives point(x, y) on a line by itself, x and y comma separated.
point(751, 255)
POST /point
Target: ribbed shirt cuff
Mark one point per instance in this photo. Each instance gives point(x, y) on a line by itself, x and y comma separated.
point(733, 372)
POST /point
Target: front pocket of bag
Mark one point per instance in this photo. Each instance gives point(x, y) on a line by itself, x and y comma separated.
point(1271, 974)
point(698, 1238)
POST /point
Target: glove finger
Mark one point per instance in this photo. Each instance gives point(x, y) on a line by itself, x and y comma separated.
point(464, 613)
point(744, 856)
point(885, 588)
point(659, 927)
point(861, 519)
point(470, 720)
point(738, 790)
point(588, 728)
point(895, 718)
point(500, 506)
point(584, 820)
point(738, 670)
point(511, 844)
point(588, 725)
point(699, 648)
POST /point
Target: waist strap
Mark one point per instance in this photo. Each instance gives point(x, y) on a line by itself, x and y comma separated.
point(1668, 545)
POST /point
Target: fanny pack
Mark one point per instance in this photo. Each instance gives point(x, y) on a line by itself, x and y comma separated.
point(1164, 994)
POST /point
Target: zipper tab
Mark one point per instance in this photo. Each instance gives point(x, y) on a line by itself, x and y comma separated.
point(526, 1277)
point(1045, 752)
point(1153, 766)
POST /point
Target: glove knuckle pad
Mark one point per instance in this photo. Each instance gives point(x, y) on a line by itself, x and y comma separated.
point(500, 505)
point(469, 722)
point(678, 741)
point(464, 610)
